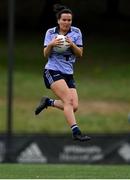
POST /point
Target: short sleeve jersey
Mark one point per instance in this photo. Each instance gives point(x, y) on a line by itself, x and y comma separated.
point(62, 62)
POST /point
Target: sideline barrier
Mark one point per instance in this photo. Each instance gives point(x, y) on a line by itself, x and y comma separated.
point(40, 148)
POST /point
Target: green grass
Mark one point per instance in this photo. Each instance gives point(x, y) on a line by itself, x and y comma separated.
point(102, 76)
point(28, 89)
point(22, 171)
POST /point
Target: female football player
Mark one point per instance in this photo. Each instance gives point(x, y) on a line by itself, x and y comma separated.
point(58, 71)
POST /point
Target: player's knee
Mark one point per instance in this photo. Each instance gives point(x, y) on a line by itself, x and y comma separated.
point(69, 101)
point(75, 107)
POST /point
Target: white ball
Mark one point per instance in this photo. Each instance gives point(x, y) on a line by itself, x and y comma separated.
point(63, 47)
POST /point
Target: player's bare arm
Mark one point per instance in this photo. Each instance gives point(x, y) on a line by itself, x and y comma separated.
point(47, 50)
point(78, 51)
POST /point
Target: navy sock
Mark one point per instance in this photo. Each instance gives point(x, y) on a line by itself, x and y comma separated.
point(75, 129)
point(50, 102)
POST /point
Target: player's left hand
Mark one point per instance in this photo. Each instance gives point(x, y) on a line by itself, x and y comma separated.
point(68, 39)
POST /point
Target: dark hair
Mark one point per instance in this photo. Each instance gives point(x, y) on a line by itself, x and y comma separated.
point(60, 9)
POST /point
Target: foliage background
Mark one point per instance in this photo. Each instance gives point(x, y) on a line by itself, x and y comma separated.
point(102, 75)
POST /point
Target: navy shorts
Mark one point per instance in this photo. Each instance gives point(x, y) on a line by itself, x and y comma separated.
point(51, 76)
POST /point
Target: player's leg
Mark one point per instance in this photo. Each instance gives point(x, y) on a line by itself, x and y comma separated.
point(74, 96)
point(59, 104)
point(71, 84)
point(69, 98)
point(62, 91)
point(69, 104)
point(45, 102)
point(51, 76)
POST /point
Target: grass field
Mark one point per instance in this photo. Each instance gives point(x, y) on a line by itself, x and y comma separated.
point(103, 83)
point(21, 171)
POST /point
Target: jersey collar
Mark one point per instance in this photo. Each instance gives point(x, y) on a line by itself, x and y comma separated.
point(57, 30)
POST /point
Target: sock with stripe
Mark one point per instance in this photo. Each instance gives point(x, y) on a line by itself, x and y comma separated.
point(75, 129)
point(50, 102)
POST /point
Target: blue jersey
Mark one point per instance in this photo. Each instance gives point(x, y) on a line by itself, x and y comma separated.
point(62, 62)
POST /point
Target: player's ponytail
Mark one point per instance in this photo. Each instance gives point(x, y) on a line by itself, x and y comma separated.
point(60, 9)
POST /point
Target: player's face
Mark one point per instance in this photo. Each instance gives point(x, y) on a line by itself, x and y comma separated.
point(65, 22)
